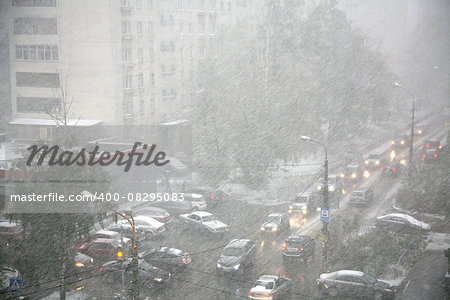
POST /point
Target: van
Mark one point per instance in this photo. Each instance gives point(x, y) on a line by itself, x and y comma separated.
point(361, 195)
point(303, 203)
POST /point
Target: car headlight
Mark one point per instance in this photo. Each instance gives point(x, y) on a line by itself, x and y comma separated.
point(393, 142)
point(274, 229)
point(419, 132)
point(402, 142)
point(388, 290)
point(219, 265)
point(236, 267)
point(331, 188)
point(79, 265)
point(289, 211)
point(342, 175)
point(366, 174)
point(403, 162)
point(366, 162)
point(377, 162)
point(158, 279)
point(290, 207)
point(304, 211)
point(319, 187)
point(262, 228)
point(304, 207)
point(353, 176)
point(92, 260)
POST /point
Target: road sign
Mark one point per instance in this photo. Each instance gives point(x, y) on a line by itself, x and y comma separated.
point(15, 285)
point(323, 237)
point(325, 215)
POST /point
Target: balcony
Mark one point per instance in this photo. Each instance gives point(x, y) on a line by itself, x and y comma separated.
point(126, 8)
point(128, 65)
point(128, 117)
point(127, 37)
point(128, 91)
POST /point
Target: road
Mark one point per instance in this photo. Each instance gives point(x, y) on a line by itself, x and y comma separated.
point(200, 281)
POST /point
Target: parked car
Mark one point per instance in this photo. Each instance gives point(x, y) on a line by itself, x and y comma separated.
point(167, 258)
point(335, 185)
point(401, 223)
point(197, 201)
point(149, 276)
point(103, 250)
point(127, 231)
point(83, 264)
point(303, 203)
point(150, 227)
point(352, 173)
point(271, 287)
point(157, 213)
point(237, 256)
point(275, 223)
point(348, 283)
point(374, 160)
point(300, 247)
point(9, 232)
point(104, 234)
point(175, 208)
point(202, 221)
point(361, 195)
point(391, 169)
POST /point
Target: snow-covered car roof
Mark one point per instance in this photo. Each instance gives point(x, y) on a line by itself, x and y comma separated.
point(201, 213)
point(407, 218)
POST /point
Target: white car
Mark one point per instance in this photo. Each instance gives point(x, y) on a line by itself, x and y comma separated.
point(199, 220)
point(271, 287)
point(401, 223)
point(150, 226)
point(197, 201)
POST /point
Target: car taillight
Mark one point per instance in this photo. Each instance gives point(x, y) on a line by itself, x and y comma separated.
point(101, 269)
point(212, 196)
point(184, 260)
point(321, 282)
point(364, 199)
point(283, 247)
point(393, 169)
point(271, 295)
point(301, 249)
point(351, 199)
point(424, 156)
point(382, 169)
point(440, 146)
point(435, 155)
point(428, 145)
point(249, 293)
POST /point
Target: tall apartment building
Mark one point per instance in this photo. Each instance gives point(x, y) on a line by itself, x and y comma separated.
point(121, 61)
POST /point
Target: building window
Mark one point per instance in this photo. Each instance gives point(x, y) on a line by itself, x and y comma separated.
point(212, 5)
point(125, 3)
point(181, 28)
point(150, 28)
point(151, 55)
point(229, 6)
point(201, 52)
point(35, 26)
point(152, 79)
point(139, 27)
point(191, 29)
point(200, 5)
point(152, 105)
point(34, 2)
point(201, 28)
point(212, 29)
point(138, 4)
point(221, 6)
point(127, 82)
point(128, 107)
point(191, 52)
point(141, 81)
point(150, 4)
point(126, 27)
point(167, 46)
point(141, 106)
point(126, 55)
point(140, 55)
point(190, 5)
point(29, 79)
point(182, 53)
point(37, 53)
point(169, 94)
point(34, 104)
point(180, 4)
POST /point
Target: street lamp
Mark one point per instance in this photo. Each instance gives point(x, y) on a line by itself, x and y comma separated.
point(129, 217)
point(325, 233)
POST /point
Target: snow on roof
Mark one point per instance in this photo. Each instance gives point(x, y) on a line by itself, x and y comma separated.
point(202, 213)
point(49, 122)
point(174, 122)
point(350, 272)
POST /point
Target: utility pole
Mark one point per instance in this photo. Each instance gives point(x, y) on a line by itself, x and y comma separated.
point(325, 204)
point(411, 144)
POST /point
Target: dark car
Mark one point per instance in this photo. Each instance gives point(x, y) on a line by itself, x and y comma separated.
point(352, 174)
point(391, 169)
point(167, 258)
point(400, 142)
point(175, 208)
point(211, 195)
point(149, 276)
point(127, 231)
point(361, 195)
point(432, 144)
point(104, 234)
point(430, 156)
point(374, 161)
point(348, 283)
point(103, 250)
point(237, 256)
point(271, 287)
point(401, 223)
point(299, 247)
point(275, 223)
point(83, 265)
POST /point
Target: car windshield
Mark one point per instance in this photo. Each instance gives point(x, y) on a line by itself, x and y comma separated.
point(208, 218)
point(268, 285)
point(273, 219)
point(358, 194)
point(231, 251)
point(301, 199)
point(4, 229)
point(369, 279)
point(373, 156)
point(293, 244)
point(145, 265)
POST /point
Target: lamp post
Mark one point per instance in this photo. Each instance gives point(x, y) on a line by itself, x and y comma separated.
point(325, 233)
point(134, 250)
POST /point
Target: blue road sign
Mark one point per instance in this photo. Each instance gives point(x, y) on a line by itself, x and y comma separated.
point(325, 215)
point(15, 285)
